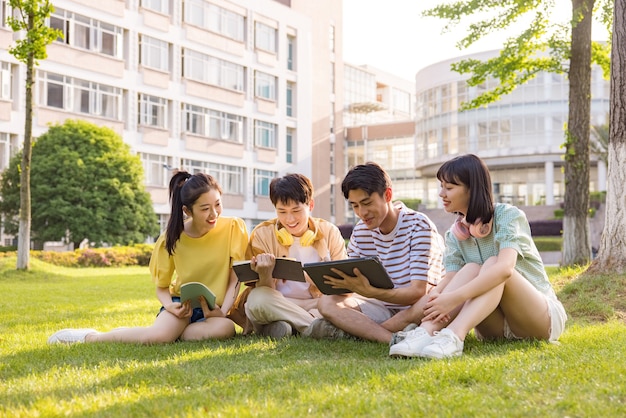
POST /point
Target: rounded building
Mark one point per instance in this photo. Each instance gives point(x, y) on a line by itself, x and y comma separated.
point(520, 137)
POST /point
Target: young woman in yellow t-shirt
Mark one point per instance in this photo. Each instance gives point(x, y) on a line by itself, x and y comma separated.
point(199, 245)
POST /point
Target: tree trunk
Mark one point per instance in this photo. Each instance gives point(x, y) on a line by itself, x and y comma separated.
point(23, 237)
point(576, 236)
point(612, 253)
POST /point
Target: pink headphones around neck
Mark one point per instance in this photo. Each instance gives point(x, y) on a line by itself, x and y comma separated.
point(463, 231)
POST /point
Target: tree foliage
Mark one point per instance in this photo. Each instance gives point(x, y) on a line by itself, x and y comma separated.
point(547, 44)
point(85, 183)
point(543, 46)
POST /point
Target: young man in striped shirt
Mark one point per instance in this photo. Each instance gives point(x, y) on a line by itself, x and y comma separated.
point(407, 244)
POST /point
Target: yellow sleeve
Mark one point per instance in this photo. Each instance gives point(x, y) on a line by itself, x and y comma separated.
point(239, 241)
point(161, 264)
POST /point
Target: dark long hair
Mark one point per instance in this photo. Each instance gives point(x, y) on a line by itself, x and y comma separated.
point(471, 171)
point(185, 189)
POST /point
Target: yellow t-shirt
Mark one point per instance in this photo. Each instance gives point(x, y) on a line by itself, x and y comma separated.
point(207, 259)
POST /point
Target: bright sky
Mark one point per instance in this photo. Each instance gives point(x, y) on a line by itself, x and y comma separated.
point(371, 28)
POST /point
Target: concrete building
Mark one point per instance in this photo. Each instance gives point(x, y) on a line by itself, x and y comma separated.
point(244, 90)
point(379, 119)
point(519, 137)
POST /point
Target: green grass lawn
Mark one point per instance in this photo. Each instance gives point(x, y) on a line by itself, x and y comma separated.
point(583, 376)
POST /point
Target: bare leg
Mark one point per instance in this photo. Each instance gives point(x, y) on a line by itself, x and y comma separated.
point(166, 328)
point(524, 307)
point(210, 328)
point(463, 276)
point(345, 314)
point(411, 315)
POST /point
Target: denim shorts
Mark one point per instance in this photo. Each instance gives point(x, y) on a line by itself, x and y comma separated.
point(196, 316)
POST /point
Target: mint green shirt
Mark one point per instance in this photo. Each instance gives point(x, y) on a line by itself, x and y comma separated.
point(510, 230)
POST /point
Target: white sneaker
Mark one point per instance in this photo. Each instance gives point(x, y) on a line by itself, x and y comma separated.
point(396, 337)
point(412, 344)
point(445, 343)
point(71, 335)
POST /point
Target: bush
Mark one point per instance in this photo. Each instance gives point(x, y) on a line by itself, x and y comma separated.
point(550, 227)
point(137, 255)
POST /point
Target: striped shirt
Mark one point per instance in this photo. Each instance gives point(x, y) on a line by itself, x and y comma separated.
point(412, 251)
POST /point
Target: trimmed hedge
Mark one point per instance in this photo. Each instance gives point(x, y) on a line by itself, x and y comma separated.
point(550, 227)
point(136, 255)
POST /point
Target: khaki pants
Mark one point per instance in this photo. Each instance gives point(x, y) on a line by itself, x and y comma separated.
point(265, 305)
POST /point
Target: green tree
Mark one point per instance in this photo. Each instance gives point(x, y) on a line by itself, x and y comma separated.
point(30, 17)
point(611, 257)
point(85, 184)
point(545, 45)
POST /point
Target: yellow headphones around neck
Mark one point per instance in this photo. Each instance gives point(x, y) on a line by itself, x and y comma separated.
point(286, 239)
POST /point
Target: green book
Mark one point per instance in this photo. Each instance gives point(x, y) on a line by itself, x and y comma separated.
point(193, 290)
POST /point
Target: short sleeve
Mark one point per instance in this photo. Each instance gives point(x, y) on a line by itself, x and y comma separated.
point(336, 244)
point(512, 229)
point(161, 264)
point(453, 259)
point(239, 240)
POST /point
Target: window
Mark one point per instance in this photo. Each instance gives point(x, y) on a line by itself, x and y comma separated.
point(331, 38)
point(262, 179)
point(154, 53)
point(211, 70)
point(401, 101)
point(265, 86)
point(9, 146)
point(289, 102)
point(155, 169)
point(86, 33)
point(160, 6)
point(291, 52)
point(214, 18)
point(5, 81)
point(152, 111)
point(265, 37)
point(213, 123)
point(264, 134)
point(4, 13)
point(230, 177)
point(80, 96)
point(289, 141)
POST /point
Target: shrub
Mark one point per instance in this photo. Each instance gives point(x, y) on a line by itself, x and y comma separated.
point(550, 227)
point(137, 255)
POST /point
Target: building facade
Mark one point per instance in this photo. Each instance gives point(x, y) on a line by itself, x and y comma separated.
point(520, 137)
point(243, 90)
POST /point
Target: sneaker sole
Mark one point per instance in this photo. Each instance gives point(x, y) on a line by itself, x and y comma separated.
point(399, 353)
point(439, 357)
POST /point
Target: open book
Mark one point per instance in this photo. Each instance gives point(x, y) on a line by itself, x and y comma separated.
point(192, 290)
point(285, 268)
point(370, 267)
